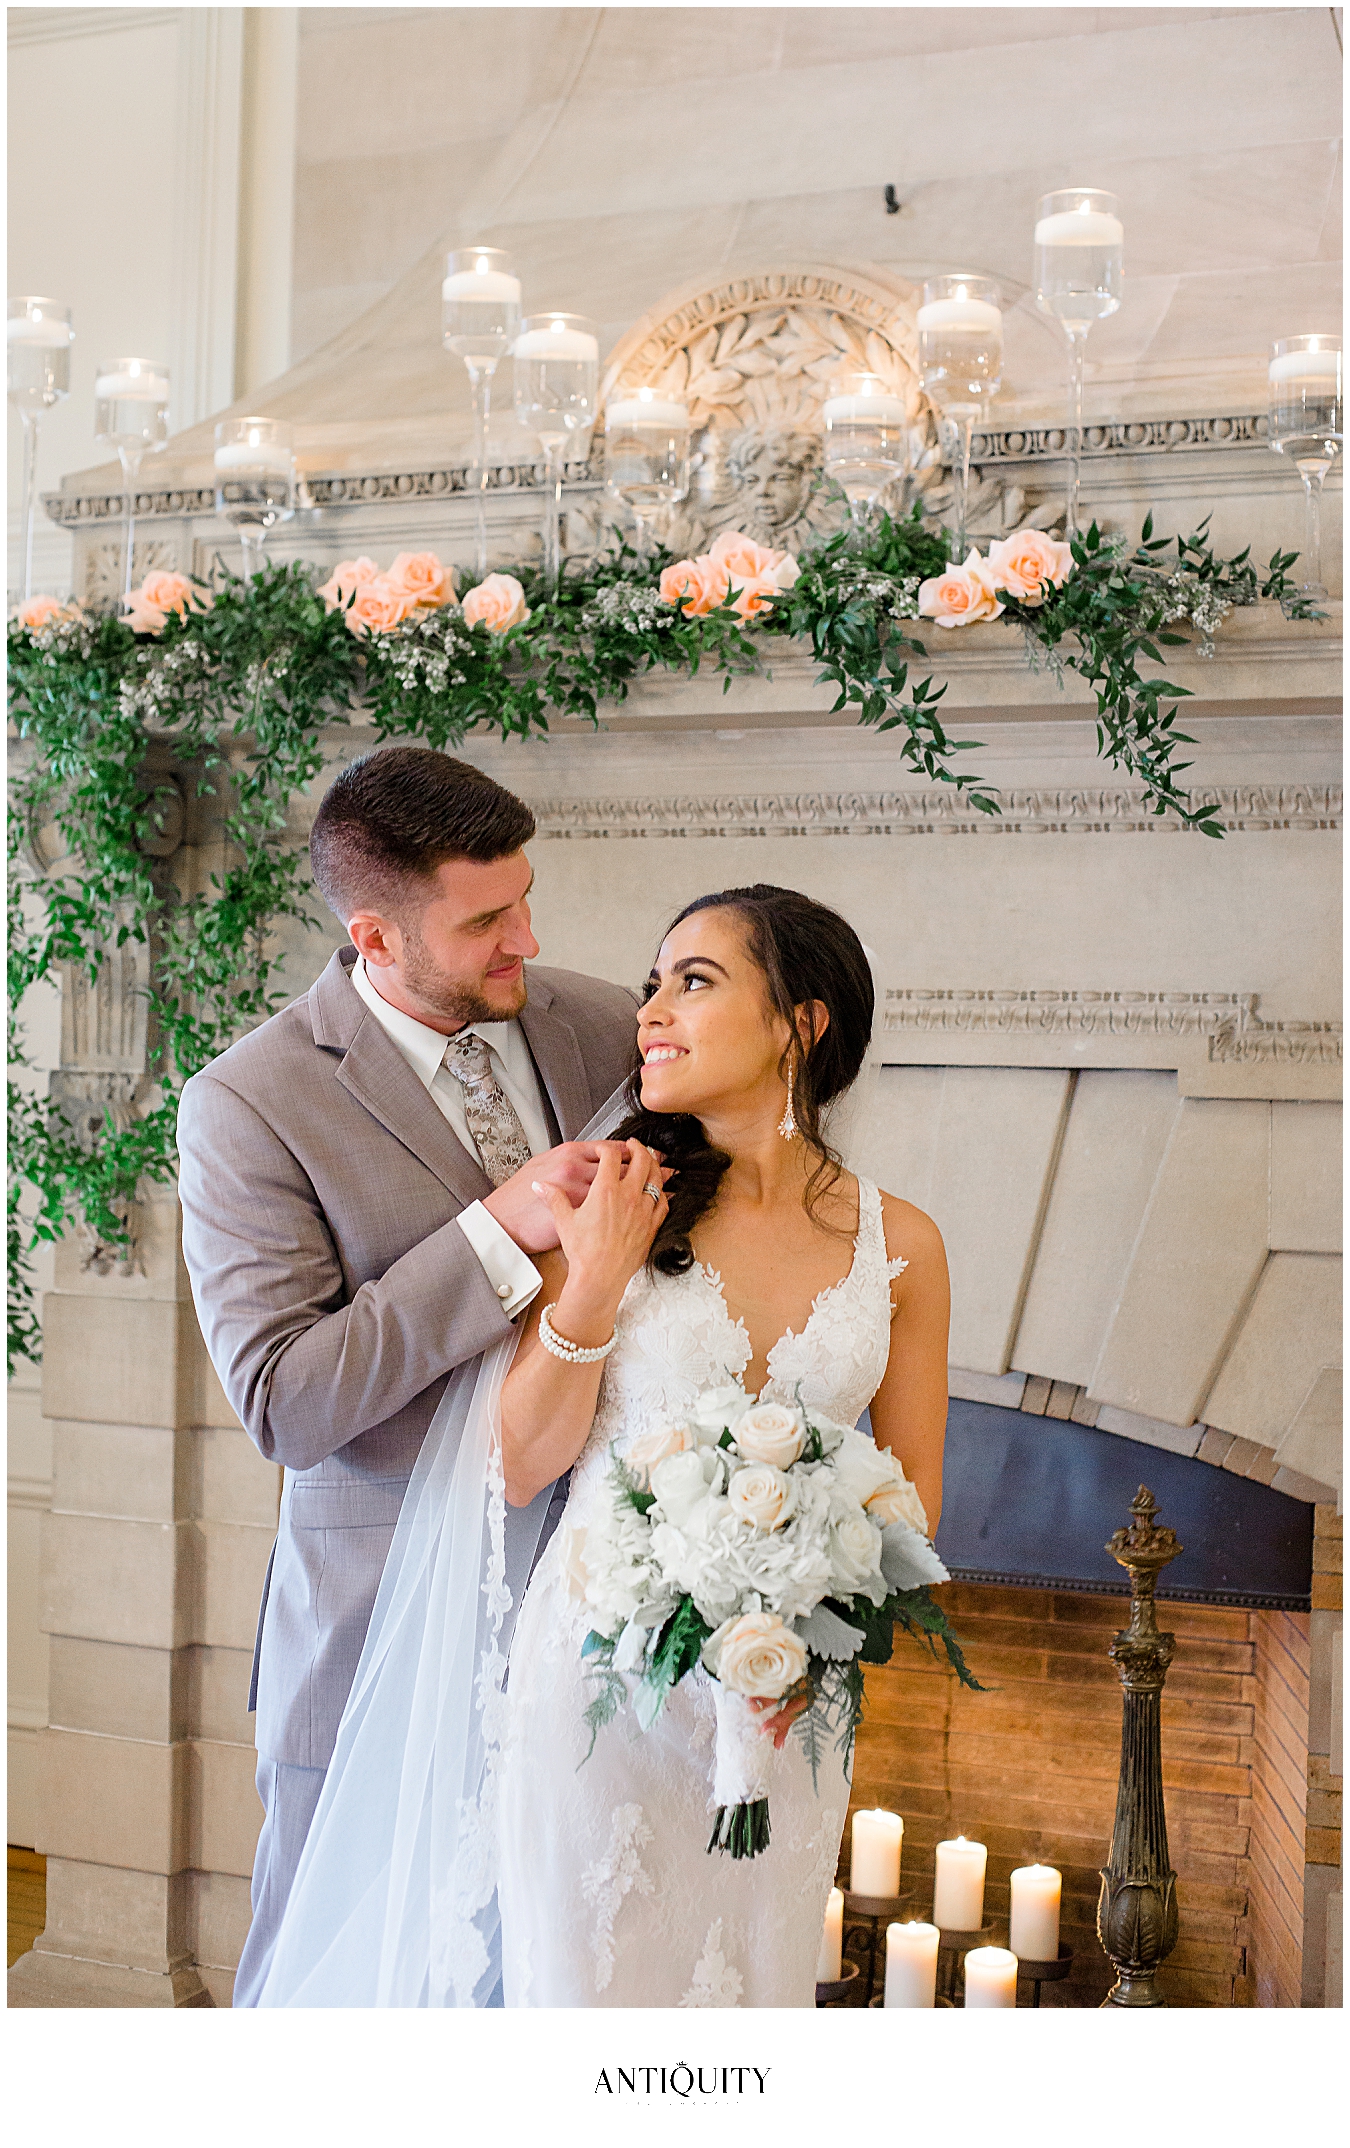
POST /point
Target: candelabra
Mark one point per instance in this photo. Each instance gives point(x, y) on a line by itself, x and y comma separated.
point(1079, 252)
point(131, 408)
point(38, 337)
point(480, 313)
point(1137, 1907)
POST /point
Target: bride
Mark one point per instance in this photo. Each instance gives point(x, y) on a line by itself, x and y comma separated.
point(467, 1850)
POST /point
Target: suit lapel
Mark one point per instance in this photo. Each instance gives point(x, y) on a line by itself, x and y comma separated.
point(374, 1071)
point(557, 1054)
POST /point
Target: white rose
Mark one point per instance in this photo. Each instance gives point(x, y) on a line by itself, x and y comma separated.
point(771, 1432)
point(760, 1495)
point(861, 1467)
point(653, 1447)
point(756, 1655)
point(855, 1554)
point(680, 1486)
point(898, 1502)
point(717, 1410)
point(572, 1559)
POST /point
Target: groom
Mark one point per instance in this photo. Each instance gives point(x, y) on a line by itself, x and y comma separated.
point(358, 1217)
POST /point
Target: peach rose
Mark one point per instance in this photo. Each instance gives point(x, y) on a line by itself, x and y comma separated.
point(653, 1447)
point(1028, 563)
point(771, 1432)
point(378, 606)
point(742, 556)
point(898, 1502)
point(696, 585)
point(38, 612)
point(345, 579)
point(159, 594)
point(425, 580)
point(499, 602)
point(960, 596)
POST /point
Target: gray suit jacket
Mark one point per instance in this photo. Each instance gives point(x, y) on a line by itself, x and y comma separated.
point(320, 1186)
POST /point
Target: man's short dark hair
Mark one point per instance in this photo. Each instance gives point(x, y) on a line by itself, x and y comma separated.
point(394, 816)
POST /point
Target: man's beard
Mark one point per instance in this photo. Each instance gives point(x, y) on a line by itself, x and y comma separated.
point(453, 1001)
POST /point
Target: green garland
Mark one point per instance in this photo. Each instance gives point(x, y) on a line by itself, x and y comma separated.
point(237, 695)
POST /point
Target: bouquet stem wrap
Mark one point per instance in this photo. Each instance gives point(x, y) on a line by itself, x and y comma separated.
point(742, 1766)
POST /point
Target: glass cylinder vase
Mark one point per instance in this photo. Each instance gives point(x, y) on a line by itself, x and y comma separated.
point(961, 359)
point(38, 336)
point(131, 416)
point(1080, 252)
point(480, 315)
point(255, 481)
point(1306, 426)
point(865, 441)
point(556, 361)
point(647, 456)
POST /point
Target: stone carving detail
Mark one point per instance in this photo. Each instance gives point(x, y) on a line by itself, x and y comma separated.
point(103, 1020)
point(1244, 807)
point(85, 1101)
point(103, 566)
point(1228, 1021)
point(755, 358)
point(1015, 444)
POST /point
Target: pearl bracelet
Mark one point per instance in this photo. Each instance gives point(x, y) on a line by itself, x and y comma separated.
point(571, 1353)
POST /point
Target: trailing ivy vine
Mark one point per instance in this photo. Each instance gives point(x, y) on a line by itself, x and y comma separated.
point(230, 700)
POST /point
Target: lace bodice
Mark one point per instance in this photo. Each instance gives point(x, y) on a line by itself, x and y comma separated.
point(677, 1337)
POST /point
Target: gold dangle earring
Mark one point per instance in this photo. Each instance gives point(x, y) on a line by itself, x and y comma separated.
point(787, 1125)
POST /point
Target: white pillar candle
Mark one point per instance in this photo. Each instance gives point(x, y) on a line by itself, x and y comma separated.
point(647, 409)
point(830, 1960)
point(911, 1964)
point(1080, 227)
point(132, 388)
point(572, 344)
point(958, 1887)
point(1033, 1928)
point(991, 1977)
point(874, 1864)
point(864, 410)
point(966, 315)
point(47, 335)
point(254, 458)
point(1306, 366)
point(488, 286)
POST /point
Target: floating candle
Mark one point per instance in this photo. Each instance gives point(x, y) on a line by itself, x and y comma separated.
point(864, 410)
point(874, 1866)
point(483, 286)
point(958, 1888)
point(132, 387)
point(911, 1964)
point(1080, 227)
point(969, 316)
point(47, 335)
point(991, 1977)
point(1033, 1928)
point(572, 344)
point(647, 409)
point(1309, 366)
point(249, 458)
point(830, 1960)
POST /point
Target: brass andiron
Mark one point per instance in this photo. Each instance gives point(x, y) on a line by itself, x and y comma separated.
point(1137, 1907)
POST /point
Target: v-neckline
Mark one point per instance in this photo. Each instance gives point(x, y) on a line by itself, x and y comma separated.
point(713, 1279)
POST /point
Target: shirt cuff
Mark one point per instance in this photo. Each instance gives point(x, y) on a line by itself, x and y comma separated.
point(511, 1273)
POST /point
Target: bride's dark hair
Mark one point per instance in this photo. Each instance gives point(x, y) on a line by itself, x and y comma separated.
point(805, 952)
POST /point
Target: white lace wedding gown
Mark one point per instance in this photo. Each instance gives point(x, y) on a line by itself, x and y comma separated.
point(608, 1894)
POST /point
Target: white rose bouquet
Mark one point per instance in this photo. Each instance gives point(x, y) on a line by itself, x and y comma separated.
point(772, 1548)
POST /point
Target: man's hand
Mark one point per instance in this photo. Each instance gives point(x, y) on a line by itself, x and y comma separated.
point(571, 1168)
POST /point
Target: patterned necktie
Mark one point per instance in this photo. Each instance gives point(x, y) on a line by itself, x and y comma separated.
point(494, 1124)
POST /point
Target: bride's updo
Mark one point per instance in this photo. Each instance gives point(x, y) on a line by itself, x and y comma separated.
point(806, 952)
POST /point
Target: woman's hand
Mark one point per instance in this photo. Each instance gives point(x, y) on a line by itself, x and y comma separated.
point(785, 1711)
point(606, 1239)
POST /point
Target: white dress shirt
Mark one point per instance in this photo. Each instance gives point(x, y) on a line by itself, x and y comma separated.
point(511, 1273)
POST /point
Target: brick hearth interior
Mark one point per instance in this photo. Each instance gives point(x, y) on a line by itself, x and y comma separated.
point(1030, 1769)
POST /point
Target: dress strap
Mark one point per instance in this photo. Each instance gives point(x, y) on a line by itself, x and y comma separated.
point(872, 1228)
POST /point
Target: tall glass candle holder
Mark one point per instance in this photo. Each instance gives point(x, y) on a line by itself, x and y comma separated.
point(131, 415)
point(865, 441)
point(647, 456)
point(1080, 244)
point(480, 315)
point(38, 336)
point(1307, 426)
point(255, 481)
point(961, 359)
point(557, 374)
